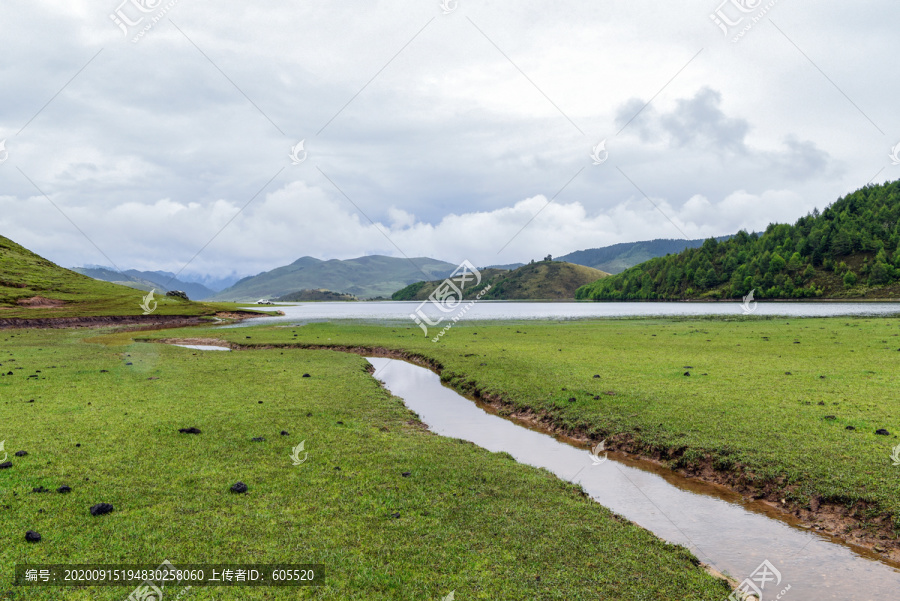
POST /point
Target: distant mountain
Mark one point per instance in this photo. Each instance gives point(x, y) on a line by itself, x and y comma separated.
point(365, 277)
point(304, 296)
point(547, 280)
point(619, 257)
point(146, 281)
point(849, 250)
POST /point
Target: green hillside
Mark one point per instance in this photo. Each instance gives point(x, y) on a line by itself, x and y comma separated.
point(33, 287)
point(619, 257)
point(547, 280)
point(849, 250)
point(365, 277)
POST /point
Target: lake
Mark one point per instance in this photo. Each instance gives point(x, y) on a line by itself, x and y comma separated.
point(399, 311)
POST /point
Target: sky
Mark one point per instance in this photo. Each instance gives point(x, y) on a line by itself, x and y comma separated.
point(229, 138)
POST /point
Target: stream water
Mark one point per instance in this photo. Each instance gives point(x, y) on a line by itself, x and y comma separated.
point(730, 534)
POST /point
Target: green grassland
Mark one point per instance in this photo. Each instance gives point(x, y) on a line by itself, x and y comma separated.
point(770, 400)
point(470, 521)
point(25, 275)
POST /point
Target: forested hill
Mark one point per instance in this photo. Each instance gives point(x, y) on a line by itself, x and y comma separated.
point(849, 250)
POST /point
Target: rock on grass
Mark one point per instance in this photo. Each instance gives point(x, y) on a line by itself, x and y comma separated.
point(32, 537)
point(239, 488)
point(101, 509)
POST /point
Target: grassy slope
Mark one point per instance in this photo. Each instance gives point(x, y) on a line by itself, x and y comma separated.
point(539, 281)
point(24, 274)
point(364, 277)
point(738, 407)
point(470, 520)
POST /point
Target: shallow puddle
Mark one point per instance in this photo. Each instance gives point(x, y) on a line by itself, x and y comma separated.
point(733, 536)
point(203, 347)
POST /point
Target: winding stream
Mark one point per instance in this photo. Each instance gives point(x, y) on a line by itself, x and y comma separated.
point(722, 530)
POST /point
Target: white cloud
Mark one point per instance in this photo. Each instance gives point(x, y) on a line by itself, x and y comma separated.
point(151, 149)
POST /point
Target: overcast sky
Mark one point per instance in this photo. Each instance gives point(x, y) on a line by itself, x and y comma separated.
point(450, 128)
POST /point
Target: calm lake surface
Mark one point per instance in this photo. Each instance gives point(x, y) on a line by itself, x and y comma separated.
point(392, 312)
point(722, 529)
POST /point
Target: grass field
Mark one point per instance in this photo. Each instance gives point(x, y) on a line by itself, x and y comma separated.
point(105, 418)
point(789, 406)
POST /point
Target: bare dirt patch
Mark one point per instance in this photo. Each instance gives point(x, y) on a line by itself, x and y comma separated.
point(40, 302)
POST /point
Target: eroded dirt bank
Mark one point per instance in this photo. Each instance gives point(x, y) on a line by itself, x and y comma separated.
point(139, 321)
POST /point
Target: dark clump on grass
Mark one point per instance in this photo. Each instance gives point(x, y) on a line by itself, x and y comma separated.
point(32, 537)
point(285, 433)
point(258, 439)
point(596, 376)
point(239, 488)
point(597, 397)
point(687, 373)
point(406, 474)
point(850, 428)
point(396, 515)
point(101, 509)
point(40, 489)
point(306, 376)
point(21, 453)
point(190, 430)
point(882, 432)
point(5, 465)
point(572, 399)
point(64, 489)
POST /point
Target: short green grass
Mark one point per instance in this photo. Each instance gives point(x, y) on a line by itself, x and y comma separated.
point(471, 521)
point(773, 397)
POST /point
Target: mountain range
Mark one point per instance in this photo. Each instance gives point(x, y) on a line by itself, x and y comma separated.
point(619, 257)
point(147, 280)
point(364, 277)
point(545, 280)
